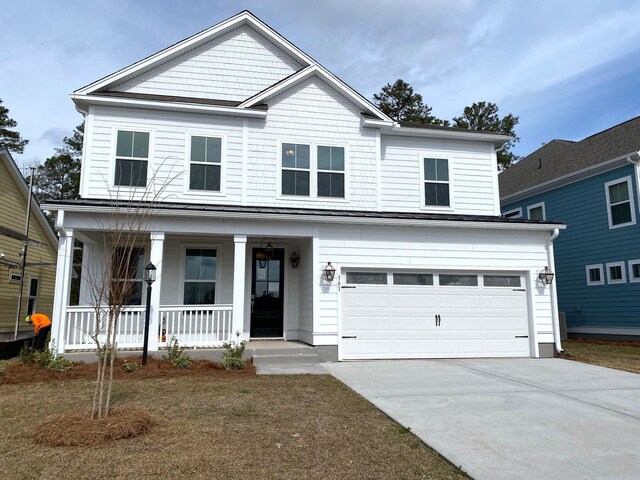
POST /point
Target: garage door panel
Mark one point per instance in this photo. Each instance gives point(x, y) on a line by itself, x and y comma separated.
point(399, 321)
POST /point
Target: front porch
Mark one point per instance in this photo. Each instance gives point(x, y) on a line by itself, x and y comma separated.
point(208, 289)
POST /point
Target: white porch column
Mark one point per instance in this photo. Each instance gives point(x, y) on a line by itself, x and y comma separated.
point(239, 261)
point(62, 288)
point(155, 257)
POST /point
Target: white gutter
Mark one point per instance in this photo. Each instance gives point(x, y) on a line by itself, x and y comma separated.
point(555, 318)
point(171, 106)
point(308, 218)
point(396, 130)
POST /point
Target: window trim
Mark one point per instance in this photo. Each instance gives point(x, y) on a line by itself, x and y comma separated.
point(626, 179)
point(342, 172)
point(441, 156)
point(187, 160)
point(631, 263)
point(537, 205)
point(182, 268)
point(113, 155)
point(623, 269)
point(593, 267)
point(313, 172)
point(514, 210)
point(29, 296)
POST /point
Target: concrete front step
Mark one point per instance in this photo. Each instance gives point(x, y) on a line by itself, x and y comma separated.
point(280, 359)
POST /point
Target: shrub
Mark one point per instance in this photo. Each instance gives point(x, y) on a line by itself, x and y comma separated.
point(59, 364)
point(232, 358)
point(3, 366)
point(176, 355)
point(130, 367)
point(24, 355)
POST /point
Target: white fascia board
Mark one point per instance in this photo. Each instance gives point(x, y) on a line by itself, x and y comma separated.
point(24, 188)
point(325, 75)
point(570, 178)
point(496, 139)
point(272, 217)
point(375, 123)
point(171, 106)
point(244, 17)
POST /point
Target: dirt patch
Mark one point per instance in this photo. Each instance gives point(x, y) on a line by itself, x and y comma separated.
point(18, 373)
point(79, 430)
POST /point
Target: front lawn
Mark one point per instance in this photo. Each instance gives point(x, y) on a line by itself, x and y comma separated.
point(620, 355)
point(253, 427)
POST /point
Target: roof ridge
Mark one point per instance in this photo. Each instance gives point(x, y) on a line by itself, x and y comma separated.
point(610, 128)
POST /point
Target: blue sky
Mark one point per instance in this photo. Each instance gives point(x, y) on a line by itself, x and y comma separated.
point(567, 69)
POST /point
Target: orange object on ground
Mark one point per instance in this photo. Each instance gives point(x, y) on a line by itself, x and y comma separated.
point(39, 321)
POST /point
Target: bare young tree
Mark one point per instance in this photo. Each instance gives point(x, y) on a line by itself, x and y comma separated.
point(113, 279)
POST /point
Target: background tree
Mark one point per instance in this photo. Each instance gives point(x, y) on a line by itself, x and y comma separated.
point(59, 177)
point(8, 136)
point(484, 116)
point(401, 103)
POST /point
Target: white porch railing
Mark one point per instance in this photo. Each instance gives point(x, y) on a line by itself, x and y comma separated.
point(192, 325)
point(81, 324)
point(196, 325)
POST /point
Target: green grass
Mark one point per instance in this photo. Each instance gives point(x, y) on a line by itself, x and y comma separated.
point(619, 355)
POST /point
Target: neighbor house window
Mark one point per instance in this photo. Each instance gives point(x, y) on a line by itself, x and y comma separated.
point(132, 157)
point(536, 212)
point(595, 275)
point(296, 169)
point(200, 276)
point(331, 172)
point(620, 203)
point(436, 182)
point(127, 269)
point(32, 304)
point(616, 273)
point(516, 213)
point(205, 163)
point(634, 271)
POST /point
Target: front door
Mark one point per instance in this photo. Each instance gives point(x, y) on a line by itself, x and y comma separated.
point(267, 294)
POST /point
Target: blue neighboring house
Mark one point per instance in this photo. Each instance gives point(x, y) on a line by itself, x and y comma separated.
point(592, 186)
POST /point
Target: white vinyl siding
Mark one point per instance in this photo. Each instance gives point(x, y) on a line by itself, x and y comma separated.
point(233, 66)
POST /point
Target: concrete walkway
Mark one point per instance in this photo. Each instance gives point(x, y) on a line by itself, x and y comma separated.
point(512, 418)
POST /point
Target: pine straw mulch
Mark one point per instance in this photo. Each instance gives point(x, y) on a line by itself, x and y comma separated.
point(17, 373)
point(78, 429)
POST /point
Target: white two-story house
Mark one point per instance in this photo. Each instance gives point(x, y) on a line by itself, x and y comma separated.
point(274, 173)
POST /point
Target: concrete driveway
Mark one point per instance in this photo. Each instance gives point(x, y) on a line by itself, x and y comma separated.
point(511, 418)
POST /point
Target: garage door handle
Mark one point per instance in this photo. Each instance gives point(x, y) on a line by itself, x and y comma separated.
point(519, 290)
point(522, 336)
point(438, 320)
point(347, 286)
point(349, 336)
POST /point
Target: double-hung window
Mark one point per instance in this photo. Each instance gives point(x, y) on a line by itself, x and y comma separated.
point(132, 157)
point(200, 276)
point(127, 270)
point(331, 172)
point(32, 304)
point(620, 207)
point(436, 182)
point(296, 169)
point(536, 212)
point(205, 163)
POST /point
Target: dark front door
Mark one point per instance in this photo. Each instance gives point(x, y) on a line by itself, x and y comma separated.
point(267, 294)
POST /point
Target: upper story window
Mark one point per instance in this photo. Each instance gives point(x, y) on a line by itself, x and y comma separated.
point(436, 182)
point(620, 207)
point(536, 212)
point(296, 169)
point(132, 157)
point(331, 172)
point(515, 213)
point(205, 163)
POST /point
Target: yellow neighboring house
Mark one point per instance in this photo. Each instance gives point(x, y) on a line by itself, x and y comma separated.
point(40, 273)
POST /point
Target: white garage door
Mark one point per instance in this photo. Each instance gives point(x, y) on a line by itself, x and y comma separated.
point(433, 315)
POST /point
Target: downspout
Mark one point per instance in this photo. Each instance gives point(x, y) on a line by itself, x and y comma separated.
point(555, 320)
point(636, 164)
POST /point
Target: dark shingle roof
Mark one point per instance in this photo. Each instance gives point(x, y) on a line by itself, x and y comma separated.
point(308, 212)
point(562, 157)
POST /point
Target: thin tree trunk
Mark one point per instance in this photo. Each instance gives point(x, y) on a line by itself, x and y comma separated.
point(113, 359)
point(107, 352)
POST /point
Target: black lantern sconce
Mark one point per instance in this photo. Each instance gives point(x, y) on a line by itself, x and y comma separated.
point(294, 260)
point(329, 272)
point(267, 253)
point(546, 276)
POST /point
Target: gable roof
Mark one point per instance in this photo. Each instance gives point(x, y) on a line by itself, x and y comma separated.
point(245, 17)
point(23, 186)
point(563, 158)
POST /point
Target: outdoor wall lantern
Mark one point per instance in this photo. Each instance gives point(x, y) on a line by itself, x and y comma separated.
point(546, 276)
point(267, 252)
point(294, 260)
point(149, 277)
point(329, 272)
